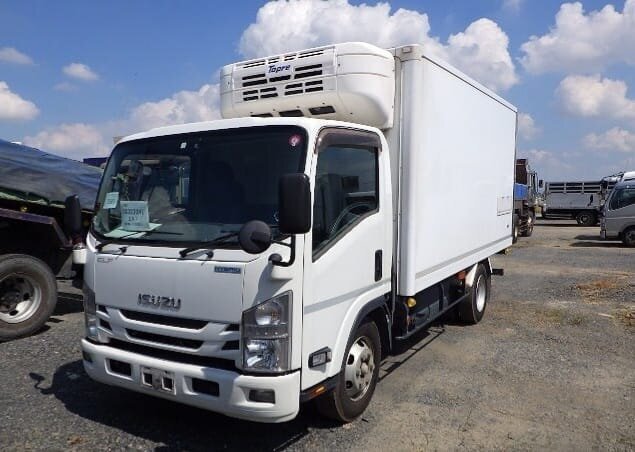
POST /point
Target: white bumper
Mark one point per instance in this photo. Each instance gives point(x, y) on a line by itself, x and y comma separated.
point(233, 395)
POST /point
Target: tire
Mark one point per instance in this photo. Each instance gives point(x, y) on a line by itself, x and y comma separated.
point(586, 218)
point(346, 402)
point(516, 228)
point(472, 309)
point(628, 237)
point(529, 226)
point(28, 294)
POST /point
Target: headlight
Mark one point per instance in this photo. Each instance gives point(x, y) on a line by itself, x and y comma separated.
point(266, 331)
point(90, 313)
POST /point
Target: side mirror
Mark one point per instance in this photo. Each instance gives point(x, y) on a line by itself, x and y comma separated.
point(73, 215)
point(255, 237)
point(540, 183)
point(294, 201)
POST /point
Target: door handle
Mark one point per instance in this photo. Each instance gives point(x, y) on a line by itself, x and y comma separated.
point(378, 273)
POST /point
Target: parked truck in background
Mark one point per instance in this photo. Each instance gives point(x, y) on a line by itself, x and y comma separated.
point(618, 212)
point(38, 235)
point(525, 200)
point(576, 200)
point(250, 264)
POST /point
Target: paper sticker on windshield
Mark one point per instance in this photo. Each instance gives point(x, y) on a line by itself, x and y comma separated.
point(295, 140)
point(111, 200)
point(134, 216)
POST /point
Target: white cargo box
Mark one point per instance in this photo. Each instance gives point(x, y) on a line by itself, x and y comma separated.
point(453, 152)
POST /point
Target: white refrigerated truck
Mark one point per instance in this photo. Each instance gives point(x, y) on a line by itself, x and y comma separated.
point(250, 264)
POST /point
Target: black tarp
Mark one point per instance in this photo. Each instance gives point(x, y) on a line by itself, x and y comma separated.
point(36, 174)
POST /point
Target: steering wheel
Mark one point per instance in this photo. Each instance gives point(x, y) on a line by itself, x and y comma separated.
point(357, 209)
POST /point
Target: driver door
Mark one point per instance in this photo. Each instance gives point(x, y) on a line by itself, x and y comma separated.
point(349, 262)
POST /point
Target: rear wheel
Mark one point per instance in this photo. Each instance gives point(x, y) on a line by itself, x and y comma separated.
point(586, 218)
point(28, 294)
point(472, 309)
point(628, 237)
point(358, 377)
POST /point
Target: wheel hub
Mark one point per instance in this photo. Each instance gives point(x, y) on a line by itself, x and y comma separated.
point(9, 300)
point(20, 298)
point(360, 365)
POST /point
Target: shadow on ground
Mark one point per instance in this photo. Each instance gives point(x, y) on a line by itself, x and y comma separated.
point(176, 426)
point(181, 427)
point(594, 241)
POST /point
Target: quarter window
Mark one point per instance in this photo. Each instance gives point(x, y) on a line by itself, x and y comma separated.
point(346, 190)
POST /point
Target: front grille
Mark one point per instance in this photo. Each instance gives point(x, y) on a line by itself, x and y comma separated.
point(164, 320)
point(165, 340)
point(168, 355)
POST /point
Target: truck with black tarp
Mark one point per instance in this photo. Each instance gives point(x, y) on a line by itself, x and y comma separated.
point(38, 237)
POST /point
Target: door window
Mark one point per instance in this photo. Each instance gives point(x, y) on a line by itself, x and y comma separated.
point(346, 191)
point(623, 197)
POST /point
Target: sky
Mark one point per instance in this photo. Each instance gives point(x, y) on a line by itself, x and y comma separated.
point(75, 74)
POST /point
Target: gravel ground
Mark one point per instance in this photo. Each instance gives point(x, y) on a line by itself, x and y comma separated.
point(551, 366)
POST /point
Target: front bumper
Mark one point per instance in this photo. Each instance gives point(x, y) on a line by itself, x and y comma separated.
point(233, 388)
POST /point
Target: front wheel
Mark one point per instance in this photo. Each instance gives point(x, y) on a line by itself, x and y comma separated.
point(28, 294)
point(628, 237)
point(472, 309)
point(516, 228)
point(358, 377)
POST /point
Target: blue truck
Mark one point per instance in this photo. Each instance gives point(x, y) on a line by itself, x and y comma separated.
point(525, 200)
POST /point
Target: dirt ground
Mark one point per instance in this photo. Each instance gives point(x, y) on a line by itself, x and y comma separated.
point(551, 366)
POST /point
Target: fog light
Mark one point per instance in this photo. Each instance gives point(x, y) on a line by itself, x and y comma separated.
point(87, 357)
point(262, 395)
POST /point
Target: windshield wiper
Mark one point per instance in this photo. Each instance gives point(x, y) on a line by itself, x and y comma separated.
point(124, 248)
point(110, 242)
point(218, 240)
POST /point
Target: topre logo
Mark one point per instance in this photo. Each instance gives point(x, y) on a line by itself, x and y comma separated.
point(273, 69)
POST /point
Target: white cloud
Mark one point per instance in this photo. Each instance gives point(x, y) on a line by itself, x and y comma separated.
point(548, 164)
point(78, 140)
point(615, 139)
point(80, 71)
point(75, 140)
point(12, 55)
point(513, 5)
point(481, 50)
point(582, 42)
point(595, 96)
point(14, 107)
point(181, 107)
point(65, 86)
point(527, 128)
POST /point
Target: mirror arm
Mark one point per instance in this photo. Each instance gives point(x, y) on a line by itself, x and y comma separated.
point(276, 259)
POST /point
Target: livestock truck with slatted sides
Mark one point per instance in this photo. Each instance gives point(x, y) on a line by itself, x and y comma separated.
point(578, 200)
point(254, 263)
point(45, 206)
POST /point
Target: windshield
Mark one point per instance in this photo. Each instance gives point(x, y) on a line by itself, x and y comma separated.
point(196, 187)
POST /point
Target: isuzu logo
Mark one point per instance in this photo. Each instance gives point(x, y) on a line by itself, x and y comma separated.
point(159, 302)
point(273, 69)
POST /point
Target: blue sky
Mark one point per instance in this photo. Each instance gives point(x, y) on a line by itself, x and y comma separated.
point(74, 74)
